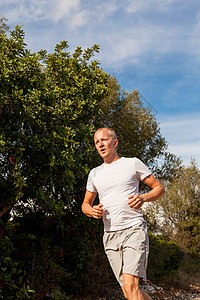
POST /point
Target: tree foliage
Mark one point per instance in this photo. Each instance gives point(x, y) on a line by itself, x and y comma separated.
point(48, 104)
point(3, 25)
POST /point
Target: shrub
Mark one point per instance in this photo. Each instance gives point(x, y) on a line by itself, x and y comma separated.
point(164, 259)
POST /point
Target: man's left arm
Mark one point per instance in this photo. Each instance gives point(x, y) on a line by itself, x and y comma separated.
point(157, 191)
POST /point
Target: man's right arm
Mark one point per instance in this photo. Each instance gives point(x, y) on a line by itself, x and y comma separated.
point(95, 211)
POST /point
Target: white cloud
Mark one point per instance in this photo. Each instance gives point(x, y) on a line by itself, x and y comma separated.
point(63, 8)
point(195, 37)
point(25, 11)
point(183, 135)
point(186, 152)
point(7, 1)
point(79, 19)
point(139, 42)
point(104, 10)
point(68, 11)
point(152, 5)
point(149, 33)
point(136, 5)
point(153, 31)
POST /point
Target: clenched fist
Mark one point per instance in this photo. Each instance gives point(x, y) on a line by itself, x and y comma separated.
point(97, 211)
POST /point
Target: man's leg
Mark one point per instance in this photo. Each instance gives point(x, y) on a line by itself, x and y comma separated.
point(131, 288)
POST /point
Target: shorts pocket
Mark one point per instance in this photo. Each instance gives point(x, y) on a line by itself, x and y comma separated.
point(110, 241)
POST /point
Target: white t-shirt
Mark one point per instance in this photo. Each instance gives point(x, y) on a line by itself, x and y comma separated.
point(114, 183)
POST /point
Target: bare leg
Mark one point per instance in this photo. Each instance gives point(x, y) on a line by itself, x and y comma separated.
point(145, 295)
point(131, 288)
point(124, 292)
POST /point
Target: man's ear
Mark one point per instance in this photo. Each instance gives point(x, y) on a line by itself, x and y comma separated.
point(116, 143)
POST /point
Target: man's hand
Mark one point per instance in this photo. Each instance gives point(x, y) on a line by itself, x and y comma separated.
point(156, 192)
point(136, 201)
point(97, 211)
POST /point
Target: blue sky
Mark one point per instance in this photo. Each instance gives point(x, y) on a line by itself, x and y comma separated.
point(149, 45)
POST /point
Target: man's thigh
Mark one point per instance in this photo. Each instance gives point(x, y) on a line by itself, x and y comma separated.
point(126, 251)
point(135, 252)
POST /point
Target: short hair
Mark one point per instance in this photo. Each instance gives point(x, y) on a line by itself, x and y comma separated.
point(111, 132)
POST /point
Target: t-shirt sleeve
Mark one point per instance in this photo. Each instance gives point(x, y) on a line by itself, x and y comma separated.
point(142, 170)
point(90, 185)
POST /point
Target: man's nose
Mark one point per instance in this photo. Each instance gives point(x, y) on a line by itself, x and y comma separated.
point(100, 143)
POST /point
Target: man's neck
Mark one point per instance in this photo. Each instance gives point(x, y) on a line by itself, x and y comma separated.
point(110, 160)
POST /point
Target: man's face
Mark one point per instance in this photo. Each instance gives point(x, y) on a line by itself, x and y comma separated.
point(105, 144)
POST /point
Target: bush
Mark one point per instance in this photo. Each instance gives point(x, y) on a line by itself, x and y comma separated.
point(13, 281)
point(165, 258)
point(41, 257)
point(169, 265)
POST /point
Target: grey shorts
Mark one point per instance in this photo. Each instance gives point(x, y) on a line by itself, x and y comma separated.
point(127, 251)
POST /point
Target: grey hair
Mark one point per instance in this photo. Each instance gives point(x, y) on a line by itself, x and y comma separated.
point(111, 132)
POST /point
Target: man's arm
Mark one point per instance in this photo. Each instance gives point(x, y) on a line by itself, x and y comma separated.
point(156, 192)
point(95, 211)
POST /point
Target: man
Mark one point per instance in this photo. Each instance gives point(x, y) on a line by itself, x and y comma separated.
point(125, 235)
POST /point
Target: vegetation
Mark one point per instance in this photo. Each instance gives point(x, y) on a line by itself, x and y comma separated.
point(176, 215)
point(50, 107)
point(3, 25)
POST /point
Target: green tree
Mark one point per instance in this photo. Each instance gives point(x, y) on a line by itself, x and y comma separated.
point(47, 108)
point(177, 213)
